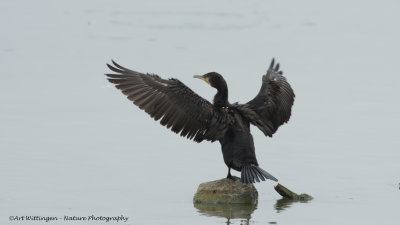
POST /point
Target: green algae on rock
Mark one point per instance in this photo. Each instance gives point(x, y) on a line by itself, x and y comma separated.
point(288, 194)
point(226, 191)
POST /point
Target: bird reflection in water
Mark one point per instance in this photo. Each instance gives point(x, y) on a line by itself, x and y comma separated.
point(228, 211)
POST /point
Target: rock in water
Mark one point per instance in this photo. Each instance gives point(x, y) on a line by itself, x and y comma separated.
point(288, 194)
point(226, 191)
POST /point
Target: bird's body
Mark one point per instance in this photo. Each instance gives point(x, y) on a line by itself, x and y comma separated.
point(237, 145)
point(186, 113)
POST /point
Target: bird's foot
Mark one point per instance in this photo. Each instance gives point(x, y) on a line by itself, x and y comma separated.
point(234, 178)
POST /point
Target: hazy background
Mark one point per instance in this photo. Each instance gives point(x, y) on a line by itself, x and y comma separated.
point(71, 144)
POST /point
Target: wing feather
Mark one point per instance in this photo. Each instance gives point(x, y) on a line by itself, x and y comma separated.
point(273, 104)
point(173, 103)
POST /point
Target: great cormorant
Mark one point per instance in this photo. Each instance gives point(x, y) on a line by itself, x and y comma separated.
point(186, 113)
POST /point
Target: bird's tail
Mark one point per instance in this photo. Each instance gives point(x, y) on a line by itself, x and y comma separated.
point(252, 174)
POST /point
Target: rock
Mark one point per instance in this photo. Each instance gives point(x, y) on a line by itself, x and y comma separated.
point(288, 194)
point(226, 191)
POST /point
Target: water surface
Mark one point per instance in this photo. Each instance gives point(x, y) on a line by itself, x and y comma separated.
point(72, 145)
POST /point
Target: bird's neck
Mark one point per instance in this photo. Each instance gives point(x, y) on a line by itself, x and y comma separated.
point(221, 98)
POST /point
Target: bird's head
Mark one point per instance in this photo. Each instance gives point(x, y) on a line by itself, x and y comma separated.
point(213, 79)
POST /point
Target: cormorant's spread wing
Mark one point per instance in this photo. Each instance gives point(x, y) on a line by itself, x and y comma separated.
point(273, 105)
point(178, 107)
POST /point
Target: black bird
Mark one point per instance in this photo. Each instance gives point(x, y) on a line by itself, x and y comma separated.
point(186, 113)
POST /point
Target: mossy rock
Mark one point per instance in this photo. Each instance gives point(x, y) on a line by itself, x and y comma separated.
point(226, 191)
point(288, 194)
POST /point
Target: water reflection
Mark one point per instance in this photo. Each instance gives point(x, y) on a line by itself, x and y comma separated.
point(285, 203)
point(242, 211)
point(228, 211)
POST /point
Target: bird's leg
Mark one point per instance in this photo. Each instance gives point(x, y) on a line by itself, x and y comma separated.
point(230, 175)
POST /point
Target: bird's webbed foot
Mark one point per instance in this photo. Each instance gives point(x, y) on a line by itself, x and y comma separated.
point(234, 178)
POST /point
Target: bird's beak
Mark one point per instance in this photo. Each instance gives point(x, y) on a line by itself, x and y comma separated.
point(202, 78)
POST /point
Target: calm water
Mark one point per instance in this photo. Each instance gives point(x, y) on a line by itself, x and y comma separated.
point(72, 145)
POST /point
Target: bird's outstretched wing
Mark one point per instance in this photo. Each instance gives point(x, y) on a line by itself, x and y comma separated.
point(273, 105)
point(178, 107)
